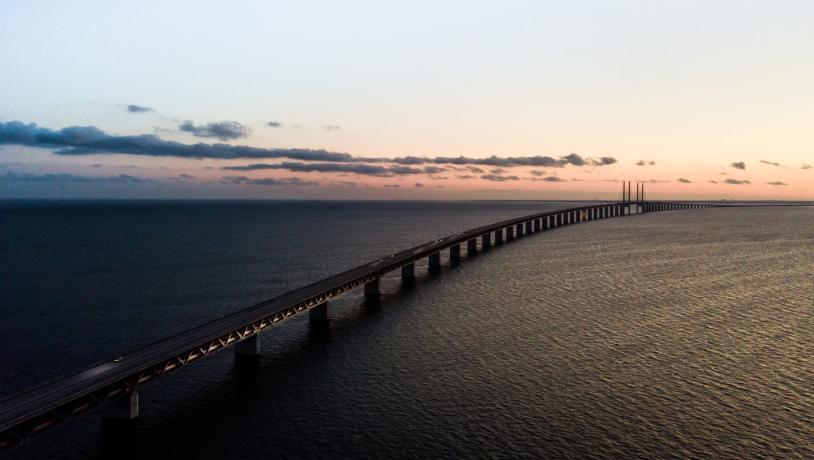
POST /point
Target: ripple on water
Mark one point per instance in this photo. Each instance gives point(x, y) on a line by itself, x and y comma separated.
point(684, 334)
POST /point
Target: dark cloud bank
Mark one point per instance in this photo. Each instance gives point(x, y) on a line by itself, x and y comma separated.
point(243, 180)
point(66, 178)
point(89, 140)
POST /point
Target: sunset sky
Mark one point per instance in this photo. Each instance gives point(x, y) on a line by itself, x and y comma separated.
point(406, 100)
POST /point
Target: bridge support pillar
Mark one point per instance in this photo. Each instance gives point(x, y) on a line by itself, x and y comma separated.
point(319, 313)
point(471, 247)
point(372, 291)
point(518, 230)
point(435, 260)
point(486, 240)
point(122, 409)
point(509, 233)
point(408, 272)
point(455, 253)
point(527, 230)
point(499, 236)
point(249, 346)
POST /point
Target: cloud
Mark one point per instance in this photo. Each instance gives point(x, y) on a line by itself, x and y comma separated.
point(352, 168)
point(645, 163)
point(738, 165)
point(274, 124)
point(465, 176)
point(433, 169)
point(498, 177)
point(90, 140)
point(776, 183)
point(133, 108)
point(736, 182)
point(392, 185)
point(805, 166)
point(243, 180)
point(684, 181)
point(223, 130)
point(553, 179)
point(538, 161)
point(602, 161)
point(497, 170)
point(332, 128)
point(713, 182)
point(772, 163)
point(419, 185)
point(68, 178)
point(537, 173)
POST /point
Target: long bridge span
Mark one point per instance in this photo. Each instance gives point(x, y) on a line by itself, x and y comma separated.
point(114, 384)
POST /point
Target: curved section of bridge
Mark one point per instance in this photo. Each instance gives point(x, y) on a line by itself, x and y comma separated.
point(114, 384)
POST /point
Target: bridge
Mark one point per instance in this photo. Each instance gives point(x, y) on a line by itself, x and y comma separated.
point(114, 384)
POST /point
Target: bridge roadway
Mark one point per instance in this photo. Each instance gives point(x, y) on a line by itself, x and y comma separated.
point(34, 410)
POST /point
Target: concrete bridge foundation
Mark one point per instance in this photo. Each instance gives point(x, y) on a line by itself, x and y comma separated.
point(122, 409)
point(372, 291)
point(455, 253)
point(249, 346)
point(408, 272)
point(471, 247)
point(435, 260)
point(319, 313)
point(486, 240)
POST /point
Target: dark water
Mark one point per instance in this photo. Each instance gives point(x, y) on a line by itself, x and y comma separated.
point(685, 334)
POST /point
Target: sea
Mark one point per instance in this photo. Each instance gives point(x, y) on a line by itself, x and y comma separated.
point(684, 334)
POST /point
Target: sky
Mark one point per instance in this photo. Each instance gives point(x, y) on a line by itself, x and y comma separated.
point(406, 100)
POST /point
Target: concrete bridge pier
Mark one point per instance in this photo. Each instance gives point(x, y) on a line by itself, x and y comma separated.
point(372, 289)
point(499, 236)
point(486, 240)
point(250, 346)
point(122, 409)
point(455, 253)
point(319, 313)
point(408, 272)
point(435, 260)
point(518, 230)
point(560, 219)
point(527, 230)
point(471, 247)
point(509, 233)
